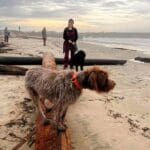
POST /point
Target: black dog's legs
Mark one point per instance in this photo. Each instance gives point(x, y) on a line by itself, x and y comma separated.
point(76, 68)
point(81, 67)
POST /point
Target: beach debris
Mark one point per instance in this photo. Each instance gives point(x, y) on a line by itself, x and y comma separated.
point(3, 47)
point(119, 97)
point(113, 114)
point(29, 138)
point(22, 122)
point(117, 115)
point(146, 135)
point(5, 50)
point(3, 44)
point(146, 132)
point(27, 99)
point(12, 70)
point(143, 59)
point(120, 48)
point(145, 129)
point(133, 124)
point(109, 99)
point(15, 136)
point(27, 106)
point(98, 99)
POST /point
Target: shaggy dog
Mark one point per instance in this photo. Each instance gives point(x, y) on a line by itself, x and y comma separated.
point(63, 88)
point(78, 59)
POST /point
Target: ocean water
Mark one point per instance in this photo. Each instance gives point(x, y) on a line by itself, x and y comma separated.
point(139, 44)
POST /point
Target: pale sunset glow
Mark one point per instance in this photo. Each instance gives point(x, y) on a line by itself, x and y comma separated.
point(89, 16)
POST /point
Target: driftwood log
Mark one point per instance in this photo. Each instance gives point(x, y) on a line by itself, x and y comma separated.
point(48, 137)
point(12, 70)
point(5, 50)
point(3, 44)
point(6, 60)
point(143, 59)
point(3, 47)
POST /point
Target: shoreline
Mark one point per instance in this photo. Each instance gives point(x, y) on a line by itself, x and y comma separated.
point(116, 43)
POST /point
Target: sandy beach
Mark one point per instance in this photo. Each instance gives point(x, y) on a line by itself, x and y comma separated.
point(119, 120)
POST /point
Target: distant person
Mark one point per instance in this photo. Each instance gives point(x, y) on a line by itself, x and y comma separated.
point(6, 35)
point(70, 36)
point(19, 28)
point(44, 36)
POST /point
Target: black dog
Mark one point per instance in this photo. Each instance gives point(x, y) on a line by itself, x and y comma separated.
point(78, 59)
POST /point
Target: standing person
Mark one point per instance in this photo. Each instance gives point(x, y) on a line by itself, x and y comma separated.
point(44, 36)
point(70, 36)
point(6, 35)
point(19, 28)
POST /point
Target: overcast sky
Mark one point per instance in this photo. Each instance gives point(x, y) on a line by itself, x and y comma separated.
point(89, 15)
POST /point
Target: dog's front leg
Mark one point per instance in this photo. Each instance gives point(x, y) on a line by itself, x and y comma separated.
point(61, 125)
point(63, 113)
point(59, 113)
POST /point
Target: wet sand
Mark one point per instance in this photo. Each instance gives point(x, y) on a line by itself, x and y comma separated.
point(114, 121)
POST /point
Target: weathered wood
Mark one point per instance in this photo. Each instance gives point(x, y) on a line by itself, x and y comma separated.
point(66, 140)
point(14, 60)
point(3, 47)
point(6, 60)
point(90, 62)
point(48, 137)
point(5, 50)
point(143, 59)
point(49, 61)
point(12, 70)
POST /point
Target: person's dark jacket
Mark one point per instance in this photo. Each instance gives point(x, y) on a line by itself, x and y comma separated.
point(70, 34)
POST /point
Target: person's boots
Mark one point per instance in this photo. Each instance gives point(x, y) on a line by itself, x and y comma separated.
point(65, 67)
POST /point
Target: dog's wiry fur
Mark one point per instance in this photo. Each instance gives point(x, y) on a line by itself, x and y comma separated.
point(57, 86)
point(52, 85)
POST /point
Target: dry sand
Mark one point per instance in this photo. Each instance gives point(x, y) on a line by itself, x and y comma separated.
point(119, 120)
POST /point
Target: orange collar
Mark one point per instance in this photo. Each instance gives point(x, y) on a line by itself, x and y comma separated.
point(75, 81)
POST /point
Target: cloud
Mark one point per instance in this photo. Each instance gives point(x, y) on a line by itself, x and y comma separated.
point(113, 3)
point(91, 13)
point(37, 8)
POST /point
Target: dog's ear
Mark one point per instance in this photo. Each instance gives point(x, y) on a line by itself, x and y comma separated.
point(102, 78)
point(92, 81)
point(97, 80)
point(104, 84)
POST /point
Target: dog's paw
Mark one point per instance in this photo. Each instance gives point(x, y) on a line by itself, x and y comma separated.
point(61, 127)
